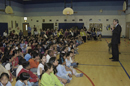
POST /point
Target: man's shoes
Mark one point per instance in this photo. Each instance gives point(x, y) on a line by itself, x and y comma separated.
point(115, 60)
point(111, 58)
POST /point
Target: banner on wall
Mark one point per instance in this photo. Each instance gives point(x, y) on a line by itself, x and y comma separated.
point(108, 27)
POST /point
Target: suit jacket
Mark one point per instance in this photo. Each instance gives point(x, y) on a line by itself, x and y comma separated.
point(116, 34)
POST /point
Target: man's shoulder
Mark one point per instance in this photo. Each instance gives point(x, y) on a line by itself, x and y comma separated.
point(118, 25)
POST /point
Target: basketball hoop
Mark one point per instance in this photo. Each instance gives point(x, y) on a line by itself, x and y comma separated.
point(68, 11)
point(8, 10)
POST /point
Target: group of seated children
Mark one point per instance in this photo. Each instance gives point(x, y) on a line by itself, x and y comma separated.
point(34, 60)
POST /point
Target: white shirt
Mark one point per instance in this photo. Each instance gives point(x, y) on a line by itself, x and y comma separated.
point(71, 60)
point(116, 25)
point(38, 69)
point(7, 66)
point(18, 69)
point(72, 33)
point(98, 33)
point(5, 34)
point(47, 58)
point(35, 33)
point(69, 49)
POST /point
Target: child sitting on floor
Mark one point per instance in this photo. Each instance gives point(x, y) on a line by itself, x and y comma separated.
point(40, 69)
point(68, 64)
point(34, 62)
point(60, 71)
point(33, 78)
point(71, 56)
point(4, 80)
point(15, 62)
point(48, 78)
point(23, 80)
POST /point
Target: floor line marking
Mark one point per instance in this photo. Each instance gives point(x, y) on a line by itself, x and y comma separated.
point(124, 70)
point(101, 65)
point(123, 66)
point(86, 76)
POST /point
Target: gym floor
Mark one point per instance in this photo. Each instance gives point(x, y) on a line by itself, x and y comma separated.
point(98, 69)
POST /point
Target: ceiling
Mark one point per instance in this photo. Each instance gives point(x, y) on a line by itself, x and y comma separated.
point(56, 1)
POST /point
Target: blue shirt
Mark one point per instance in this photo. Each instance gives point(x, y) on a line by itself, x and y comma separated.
point(27, 57)
point(19, 83)
point(29, 29)
point(93, 33)
point(8, 84)
point(42, 33)
point(68, 63)
point(22, 45)
point(61, 71)
point(99, 33)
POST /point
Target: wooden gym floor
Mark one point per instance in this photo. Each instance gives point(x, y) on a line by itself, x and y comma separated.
point(98, 69)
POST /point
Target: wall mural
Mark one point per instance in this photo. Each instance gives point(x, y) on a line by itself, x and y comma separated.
point(96, 26)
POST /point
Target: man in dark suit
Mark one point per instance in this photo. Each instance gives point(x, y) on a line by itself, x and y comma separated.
point(119, 41)
point(115, 40)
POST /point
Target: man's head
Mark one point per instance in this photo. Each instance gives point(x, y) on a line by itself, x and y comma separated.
point(115, 21)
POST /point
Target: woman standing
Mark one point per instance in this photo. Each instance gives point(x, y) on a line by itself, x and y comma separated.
point(83, 34)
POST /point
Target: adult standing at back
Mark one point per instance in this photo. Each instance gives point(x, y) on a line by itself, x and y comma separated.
point(5, 33)
point(115, 40)
point(83, 35)
point(119, 40)
point(29, 30)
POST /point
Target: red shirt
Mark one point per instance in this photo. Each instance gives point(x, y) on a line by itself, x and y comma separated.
point(33, 76)
point(2, 49)
point(32, 46)
point(15, 61)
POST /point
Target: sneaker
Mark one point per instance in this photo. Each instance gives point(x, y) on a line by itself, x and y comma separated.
point(81, 74)
point(68, 81)
point(75, 66)
point(77, 75)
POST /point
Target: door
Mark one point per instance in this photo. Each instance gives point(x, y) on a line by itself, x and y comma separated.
point(3, 27)
point(25, 29)
point(45, 26)
point(127, 29)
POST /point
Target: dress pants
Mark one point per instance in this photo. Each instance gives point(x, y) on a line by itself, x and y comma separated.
point(115, 51)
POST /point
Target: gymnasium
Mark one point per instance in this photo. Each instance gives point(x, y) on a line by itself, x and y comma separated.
point(64, 42)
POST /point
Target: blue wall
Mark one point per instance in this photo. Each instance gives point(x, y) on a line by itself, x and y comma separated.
point(128, 11)
point(17, 8)
point(55, 9)
point(83, 8)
